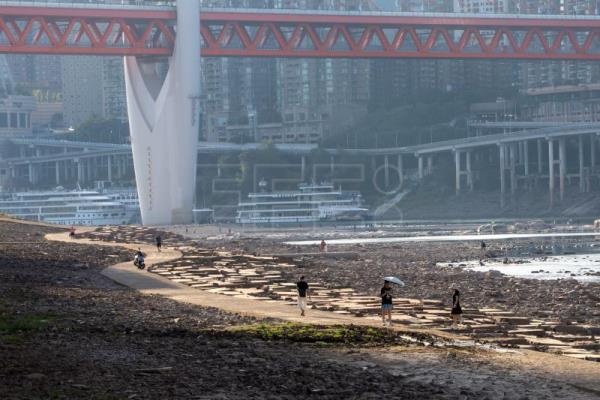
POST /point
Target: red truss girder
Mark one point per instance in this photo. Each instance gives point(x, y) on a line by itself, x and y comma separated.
point(85, 31)
point(371, 36)
point(151, 33)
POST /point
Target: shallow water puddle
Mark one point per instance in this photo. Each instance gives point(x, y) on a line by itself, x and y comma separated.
point(582, 267)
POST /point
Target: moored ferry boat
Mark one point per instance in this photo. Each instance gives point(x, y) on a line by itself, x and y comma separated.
point(310, 203)
point(79, 207)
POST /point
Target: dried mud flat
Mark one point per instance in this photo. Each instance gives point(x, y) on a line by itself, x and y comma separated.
point(68, 332)
point(565, 300)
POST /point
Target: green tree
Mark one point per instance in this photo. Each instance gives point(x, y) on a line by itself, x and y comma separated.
point(100, 130)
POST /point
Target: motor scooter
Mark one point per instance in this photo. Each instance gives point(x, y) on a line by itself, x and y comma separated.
point(138, 261)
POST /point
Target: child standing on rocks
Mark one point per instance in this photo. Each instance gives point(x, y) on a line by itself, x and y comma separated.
point(386, 302)
point(302, 292)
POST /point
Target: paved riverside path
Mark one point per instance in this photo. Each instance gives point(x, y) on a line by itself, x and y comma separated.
point(578, 373)
point(149, 283)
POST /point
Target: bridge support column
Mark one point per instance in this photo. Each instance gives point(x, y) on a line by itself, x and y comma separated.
point(109, 168)
point(400, 170)
point(79, 164)
point(526, 158)
point(303, 168)
point(31, 173)
point(429, 165)
point(57, 172)
point(88, 170)
point(551, 171)
point(513, 168)
point(420, 162)
point(331, 164)
point(457, 167)
point(164, 121)
point(562, 166)
point(539, 156)
point(502, 157)
point(581, 165)
point(469, 171)
point(592, 154)
point(386, 171)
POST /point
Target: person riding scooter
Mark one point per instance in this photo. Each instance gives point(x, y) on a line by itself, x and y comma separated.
point(138, 260)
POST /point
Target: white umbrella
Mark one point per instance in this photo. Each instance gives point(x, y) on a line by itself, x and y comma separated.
point(393, 279)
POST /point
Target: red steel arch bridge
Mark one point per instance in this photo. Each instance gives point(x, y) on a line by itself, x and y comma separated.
point(55, 28)
point(164, 111)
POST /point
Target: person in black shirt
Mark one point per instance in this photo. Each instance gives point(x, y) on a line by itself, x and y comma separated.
point(302, 292)
point(386, 302)
point(456, 312)
point(158, 243)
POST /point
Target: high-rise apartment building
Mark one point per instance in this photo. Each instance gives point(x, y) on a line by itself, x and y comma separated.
point(36, 72)
point(114, 101)
point(538, 74)
point(82, 88)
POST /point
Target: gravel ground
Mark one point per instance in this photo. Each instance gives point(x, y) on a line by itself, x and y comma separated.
point(66, 332)
point(415, 263)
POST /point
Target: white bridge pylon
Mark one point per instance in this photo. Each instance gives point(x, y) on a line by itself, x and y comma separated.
point(164, 124)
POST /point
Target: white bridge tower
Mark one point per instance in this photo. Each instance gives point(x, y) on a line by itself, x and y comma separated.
point(164, 124)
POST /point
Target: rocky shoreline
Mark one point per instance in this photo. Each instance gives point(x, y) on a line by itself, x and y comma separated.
point(416, 263)
point(67, 332)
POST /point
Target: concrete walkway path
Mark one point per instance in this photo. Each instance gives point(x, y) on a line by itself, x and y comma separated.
point(582, 374)
point(149, 283)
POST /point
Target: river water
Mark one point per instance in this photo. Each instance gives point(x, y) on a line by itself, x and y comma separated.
point(444, 238)
point(582, 267)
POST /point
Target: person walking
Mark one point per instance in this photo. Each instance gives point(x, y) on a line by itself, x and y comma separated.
point(386, 302)
point(72, 232)
point(158, 243)
point(323, 247)
point(456, 312)
point(303, 291)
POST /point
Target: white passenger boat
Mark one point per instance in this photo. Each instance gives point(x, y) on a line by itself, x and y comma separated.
point(79, 207)
point(310, 203)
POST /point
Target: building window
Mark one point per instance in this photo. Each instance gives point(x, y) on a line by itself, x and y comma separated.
point(13, 120)
point(22, 120)
point(3, 120)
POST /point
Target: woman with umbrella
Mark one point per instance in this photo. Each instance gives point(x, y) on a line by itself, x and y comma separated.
point(386, 298)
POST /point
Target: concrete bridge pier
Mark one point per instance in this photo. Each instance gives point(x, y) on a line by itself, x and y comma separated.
point(592, 154)
point(429, 165)
point(79, 166)
point(109, 168)
point(526, 158)
point(502, 158)
point(469, 170)
point(164, 122)
point(459, 170)
point(31, 174)
point(457, 166)
point(386, 171)
point(420, 163)
point(303, 168)
point(88, 170)
point(562, 169)
point(551, 171)
point(513, 168)
point(57, 172)
point(581, 166)
point(400, 169)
